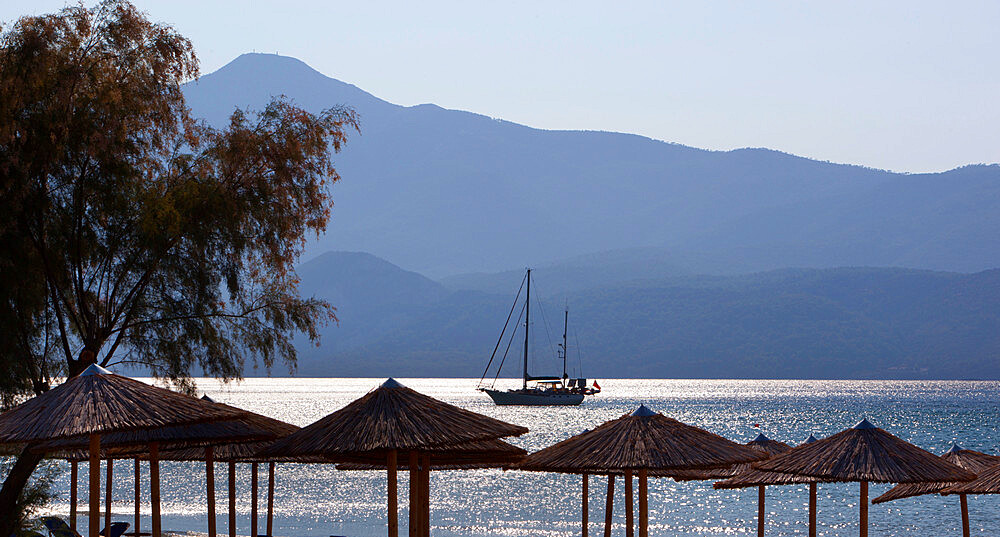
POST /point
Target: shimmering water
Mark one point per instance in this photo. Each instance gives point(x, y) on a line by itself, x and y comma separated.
point(317, 500)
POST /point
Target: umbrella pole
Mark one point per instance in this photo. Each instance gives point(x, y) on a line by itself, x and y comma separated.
point(253, 499)
point(425, 484)
point(107, 494)
point(864, 509)
point(965, 514)
point(73, 474)
point(643, 505)
point(94, 516)
point(760, 511)
point(270, 498)
point(812, 509)
point(392, 512)
point(609, 505)
point(586, 504)
point(210, 488)
point(414, 522)
point(154, 485)
point(138, 497)
point(232, 499)
point(629, 513)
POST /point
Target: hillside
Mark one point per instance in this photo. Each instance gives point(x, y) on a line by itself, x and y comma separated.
point(801, 323)
point(448, 192)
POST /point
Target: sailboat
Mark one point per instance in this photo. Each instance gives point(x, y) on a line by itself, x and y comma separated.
point(539, 390)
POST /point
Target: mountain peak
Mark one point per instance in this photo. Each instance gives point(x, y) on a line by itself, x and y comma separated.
point(252, 79)
point(255, 62)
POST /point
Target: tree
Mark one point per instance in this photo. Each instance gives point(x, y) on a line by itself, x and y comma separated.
point(133, 234)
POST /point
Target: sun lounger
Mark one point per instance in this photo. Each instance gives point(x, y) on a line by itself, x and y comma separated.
point(115, 530)
point(59, 528)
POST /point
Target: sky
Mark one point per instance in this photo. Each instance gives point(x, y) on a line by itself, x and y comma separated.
point(908, 86)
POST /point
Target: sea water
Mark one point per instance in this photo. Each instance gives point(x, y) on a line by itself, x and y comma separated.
point(318, 500)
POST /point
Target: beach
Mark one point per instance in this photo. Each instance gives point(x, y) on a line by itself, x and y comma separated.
point(318, 500)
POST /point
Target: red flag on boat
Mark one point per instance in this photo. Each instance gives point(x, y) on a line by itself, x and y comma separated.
point(596, 385)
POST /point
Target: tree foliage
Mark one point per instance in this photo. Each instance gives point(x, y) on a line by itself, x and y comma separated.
point(150, 238)
point(132, 233)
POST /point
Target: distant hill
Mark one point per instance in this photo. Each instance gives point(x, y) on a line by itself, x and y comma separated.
point(792, 323)
point(372, 296)
point(448, 192)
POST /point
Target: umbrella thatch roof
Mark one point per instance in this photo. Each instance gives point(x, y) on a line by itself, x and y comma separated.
point(641, 440)
point(972, 461)
point(100, 402)
point(751, 477)
point(865, 453)
point(391, 417)
point(242, 450)
point(236, 441)
point(758, 478)
point(760, 443)
point(988, 482)
point(470, 455)
point(201, 434)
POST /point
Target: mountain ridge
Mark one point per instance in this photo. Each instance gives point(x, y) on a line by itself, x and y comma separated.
point(450, 192)
point(848, 322)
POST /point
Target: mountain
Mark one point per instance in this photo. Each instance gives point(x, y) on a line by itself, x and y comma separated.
point(791, 323)
point(372, 296)
point(580, 272)
point(448, 192)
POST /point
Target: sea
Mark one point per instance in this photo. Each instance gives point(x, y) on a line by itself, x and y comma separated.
point(320, 501)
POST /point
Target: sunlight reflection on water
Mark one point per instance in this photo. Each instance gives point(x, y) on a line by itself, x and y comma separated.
point(313, 500)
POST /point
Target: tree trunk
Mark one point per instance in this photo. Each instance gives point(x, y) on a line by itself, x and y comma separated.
point(87, 357)
point(16, 480)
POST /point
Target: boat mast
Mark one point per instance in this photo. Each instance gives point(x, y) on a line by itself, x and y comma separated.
point(564, 353)
point(527, 311)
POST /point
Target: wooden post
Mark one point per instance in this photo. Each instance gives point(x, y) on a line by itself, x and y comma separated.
point(232, 499)
point(629, 513)
point(94, 518)
point(643, 505)
point(391, 509)
point(863, 523)
point(270, 498)
point(812, 509)
point(760, 511)
point(107, 493)
point(609, 505)
point(253, 499)
point(210, 489)
point(73, 475)
point(414, 523)
point(154, 486)
point(585, 508)
point(425, 494)
point(138, 496)
point(965, 515)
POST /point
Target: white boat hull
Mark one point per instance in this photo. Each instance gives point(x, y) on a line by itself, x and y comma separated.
point(534, 398)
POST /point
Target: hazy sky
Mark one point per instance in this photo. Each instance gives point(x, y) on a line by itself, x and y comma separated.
point(908, 86)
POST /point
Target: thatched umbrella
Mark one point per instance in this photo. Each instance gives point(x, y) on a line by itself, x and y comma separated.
point(239, 450)
point(865, 453)
point(752, 477)
point(972, 461)
point(760, 443)
point(644, 442)
point(96, 403)
point(480, 454)
point(987, 482)
point(189, 442)
point(390, 422)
